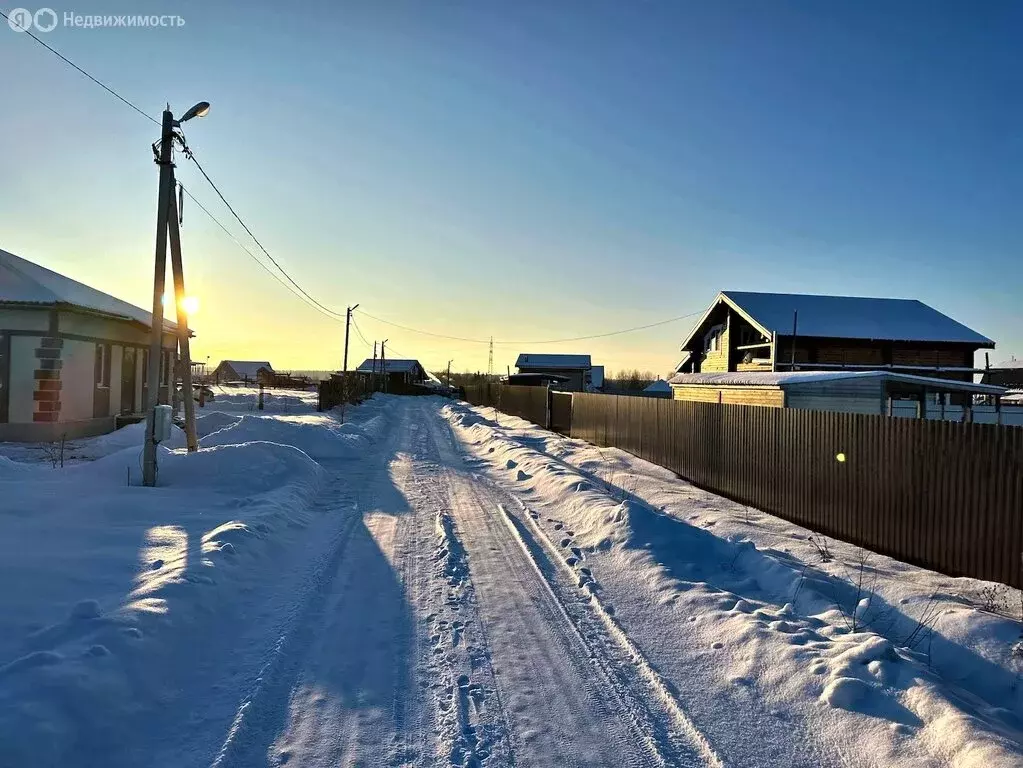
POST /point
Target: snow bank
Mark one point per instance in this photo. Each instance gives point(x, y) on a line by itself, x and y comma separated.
point(734, 601)
point(115, 581)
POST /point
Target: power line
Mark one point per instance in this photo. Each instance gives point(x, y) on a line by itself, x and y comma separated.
point(253, 256)
point(320, 307)
point(534, 342)
point(191, 156)
point(77, 68)
point(358, 330)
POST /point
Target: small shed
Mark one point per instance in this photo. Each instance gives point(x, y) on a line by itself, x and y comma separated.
point(880, 392)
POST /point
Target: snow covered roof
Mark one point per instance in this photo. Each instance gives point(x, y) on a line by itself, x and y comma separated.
point(247, 369)
point(1011, 363)
point(846, 317)
point(790, 378)
point(23, 282)
point(659, 386)
point(393, 366)
point(552, 361)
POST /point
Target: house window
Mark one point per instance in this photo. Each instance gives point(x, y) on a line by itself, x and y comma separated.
point(712, 341)
point(103, 365)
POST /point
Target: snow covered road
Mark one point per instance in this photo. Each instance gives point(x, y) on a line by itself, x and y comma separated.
point(444, 591)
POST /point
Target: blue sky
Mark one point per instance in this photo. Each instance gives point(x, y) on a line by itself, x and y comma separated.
point(532, 170)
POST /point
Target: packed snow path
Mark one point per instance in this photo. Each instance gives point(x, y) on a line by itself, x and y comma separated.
point(436, 634)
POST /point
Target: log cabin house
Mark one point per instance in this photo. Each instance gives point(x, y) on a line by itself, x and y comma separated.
point(744, 331)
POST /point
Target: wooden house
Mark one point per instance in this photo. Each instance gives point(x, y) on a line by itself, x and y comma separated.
point(1007, 374)
point(73, 359)
point(398, 371)
point(246, 371)
point(768, 332)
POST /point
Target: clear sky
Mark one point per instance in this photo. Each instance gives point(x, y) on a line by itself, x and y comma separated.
point(530, 170)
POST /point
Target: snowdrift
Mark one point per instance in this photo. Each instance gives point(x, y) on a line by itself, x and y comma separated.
point(116, 582)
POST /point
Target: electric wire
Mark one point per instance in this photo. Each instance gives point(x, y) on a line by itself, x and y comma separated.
point(302, 293)
point(77, 68)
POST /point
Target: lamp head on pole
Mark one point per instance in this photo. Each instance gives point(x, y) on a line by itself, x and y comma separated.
point(199, 110)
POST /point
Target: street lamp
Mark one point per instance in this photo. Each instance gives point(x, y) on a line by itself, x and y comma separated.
point(199, 110)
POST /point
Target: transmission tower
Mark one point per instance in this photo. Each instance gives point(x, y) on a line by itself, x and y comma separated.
point(490, 364)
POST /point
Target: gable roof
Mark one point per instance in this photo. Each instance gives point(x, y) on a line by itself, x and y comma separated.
point(659, 386)
point(247, 369)
point(845, 317)
point(552, 361)
point(392, 366)
point(24, 282)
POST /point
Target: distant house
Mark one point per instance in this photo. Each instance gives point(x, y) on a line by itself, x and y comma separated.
point(659, 388)
point(72, 358)
point(880, 392)
point(1006, 374)
point(248, 371)
point(577, 369)
point(397, 371)
point(767, 332)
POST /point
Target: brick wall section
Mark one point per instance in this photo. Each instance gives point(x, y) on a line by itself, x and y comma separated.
point(47, 378)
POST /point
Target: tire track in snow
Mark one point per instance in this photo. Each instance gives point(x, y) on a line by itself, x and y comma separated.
point(630, 719)
point(686, 726)
point(470, 725)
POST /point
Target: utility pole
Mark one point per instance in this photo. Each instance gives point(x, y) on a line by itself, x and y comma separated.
point(383, 362)
point(177, 270)
point(449, 372)
point(374, 378)
point(159, 277)
point(348, 322)
point(163, 213)
point(490, 364)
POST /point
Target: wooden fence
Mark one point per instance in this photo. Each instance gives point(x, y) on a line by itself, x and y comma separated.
point(944, 495)
point(529, 403)
point(343, 388)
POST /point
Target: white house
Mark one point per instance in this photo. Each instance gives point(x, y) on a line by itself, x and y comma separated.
point(72, 359)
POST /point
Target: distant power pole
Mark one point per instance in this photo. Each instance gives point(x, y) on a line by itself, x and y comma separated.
point(490, 364)
point(383, 362)
point(373, 378)
point(449, 372)
point(348, 322)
